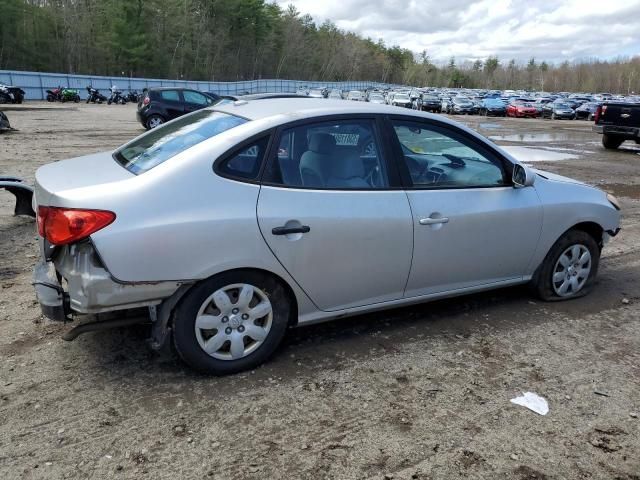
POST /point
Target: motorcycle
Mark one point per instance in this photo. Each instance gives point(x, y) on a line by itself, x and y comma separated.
point(133, 96)
point(54, 95)
point(95, 96)
point(116, 97)
point(70, 95)
point(10, 94)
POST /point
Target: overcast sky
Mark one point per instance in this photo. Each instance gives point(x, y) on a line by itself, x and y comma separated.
point(553, 30)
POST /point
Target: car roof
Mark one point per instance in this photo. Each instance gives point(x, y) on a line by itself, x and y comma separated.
point(154, 89)
point(283, 110)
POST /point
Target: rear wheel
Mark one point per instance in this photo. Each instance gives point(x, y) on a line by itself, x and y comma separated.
point(611, 142)
point(570, 267)
point(154, 121)
point(232, 322)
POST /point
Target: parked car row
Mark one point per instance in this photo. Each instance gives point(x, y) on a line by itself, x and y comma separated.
point(520, 104)
point(159, 105)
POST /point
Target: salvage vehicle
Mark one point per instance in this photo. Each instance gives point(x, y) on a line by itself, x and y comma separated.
point(522, 110)
point(558, 111)
point(587, 111)
point(400, 99)
point(159, 105)
point(225, 227)
point(355, 95)
point(493, 107)
point(11, 94)
point(376, 97)
point(461, 106)
point(617, 122)
point(428, 103)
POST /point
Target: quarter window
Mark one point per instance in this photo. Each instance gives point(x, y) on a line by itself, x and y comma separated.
point(171, 95)
point(195, 97)
point(341, 155)
point(246, 162)
point(440, 158)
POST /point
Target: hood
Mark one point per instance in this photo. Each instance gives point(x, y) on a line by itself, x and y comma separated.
point(555, 177)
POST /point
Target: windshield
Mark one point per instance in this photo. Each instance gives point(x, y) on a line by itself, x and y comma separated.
point(562, 105)
point(166, 141)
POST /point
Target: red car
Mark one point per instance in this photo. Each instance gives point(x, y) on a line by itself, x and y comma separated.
point(521, 110)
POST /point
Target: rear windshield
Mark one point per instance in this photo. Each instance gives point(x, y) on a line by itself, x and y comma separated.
point(166, 141)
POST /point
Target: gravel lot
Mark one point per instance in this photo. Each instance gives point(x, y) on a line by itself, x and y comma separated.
point(412, 393)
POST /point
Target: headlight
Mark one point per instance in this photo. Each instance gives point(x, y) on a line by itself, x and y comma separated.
point(613, 201)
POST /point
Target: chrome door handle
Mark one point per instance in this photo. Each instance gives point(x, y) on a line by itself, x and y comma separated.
point(433, 221)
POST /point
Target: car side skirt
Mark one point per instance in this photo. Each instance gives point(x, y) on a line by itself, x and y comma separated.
point(319, 317)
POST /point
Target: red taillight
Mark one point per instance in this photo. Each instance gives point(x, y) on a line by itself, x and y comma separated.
point(596, 116)
point(67, 225)
point(146, 101)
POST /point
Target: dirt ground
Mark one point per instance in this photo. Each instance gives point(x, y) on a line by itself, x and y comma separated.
point(412, 393)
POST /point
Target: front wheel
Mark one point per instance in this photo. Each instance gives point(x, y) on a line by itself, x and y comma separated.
point(231, 322)
point(569, 269)
point(611, 142)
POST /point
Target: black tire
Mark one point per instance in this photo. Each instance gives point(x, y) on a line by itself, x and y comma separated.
point(611, 142)
point(184, 336)
point(109, 102)
point(542, 281)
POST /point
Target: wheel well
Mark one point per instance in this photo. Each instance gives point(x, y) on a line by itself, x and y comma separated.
point(593, 229)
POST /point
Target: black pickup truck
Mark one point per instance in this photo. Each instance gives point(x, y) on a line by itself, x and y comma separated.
point(617, 122)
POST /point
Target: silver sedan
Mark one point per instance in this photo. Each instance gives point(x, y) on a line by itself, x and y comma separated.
point(225, 227)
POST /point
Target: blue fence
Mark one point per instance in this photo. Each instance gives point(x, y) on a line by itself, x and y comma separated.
point(35, 84)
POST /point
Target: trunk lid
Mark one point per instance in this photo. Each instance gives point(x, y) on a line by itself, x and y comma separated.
point(68, 181)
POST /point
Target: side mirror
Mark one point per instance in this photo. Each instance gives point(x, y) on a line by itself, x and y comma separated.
point(522, 176)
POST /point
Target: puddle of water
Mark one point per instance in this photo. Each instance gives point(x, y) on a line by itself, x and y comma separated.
point(533, 137)
point(490, 126)
point(528, 155)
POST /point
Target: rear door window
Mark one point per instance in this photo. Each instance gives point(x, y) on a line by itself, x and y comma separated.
point(340, 155)
point(162, 143)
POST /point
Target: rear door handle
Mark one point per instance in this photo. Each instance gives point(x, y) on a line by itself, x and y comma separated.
point(289, 230)
point(433, 221)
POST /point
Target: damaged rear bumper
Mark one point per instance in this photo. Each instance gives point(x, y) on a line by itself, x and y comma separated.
point(54, 302)
point(77, 282)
